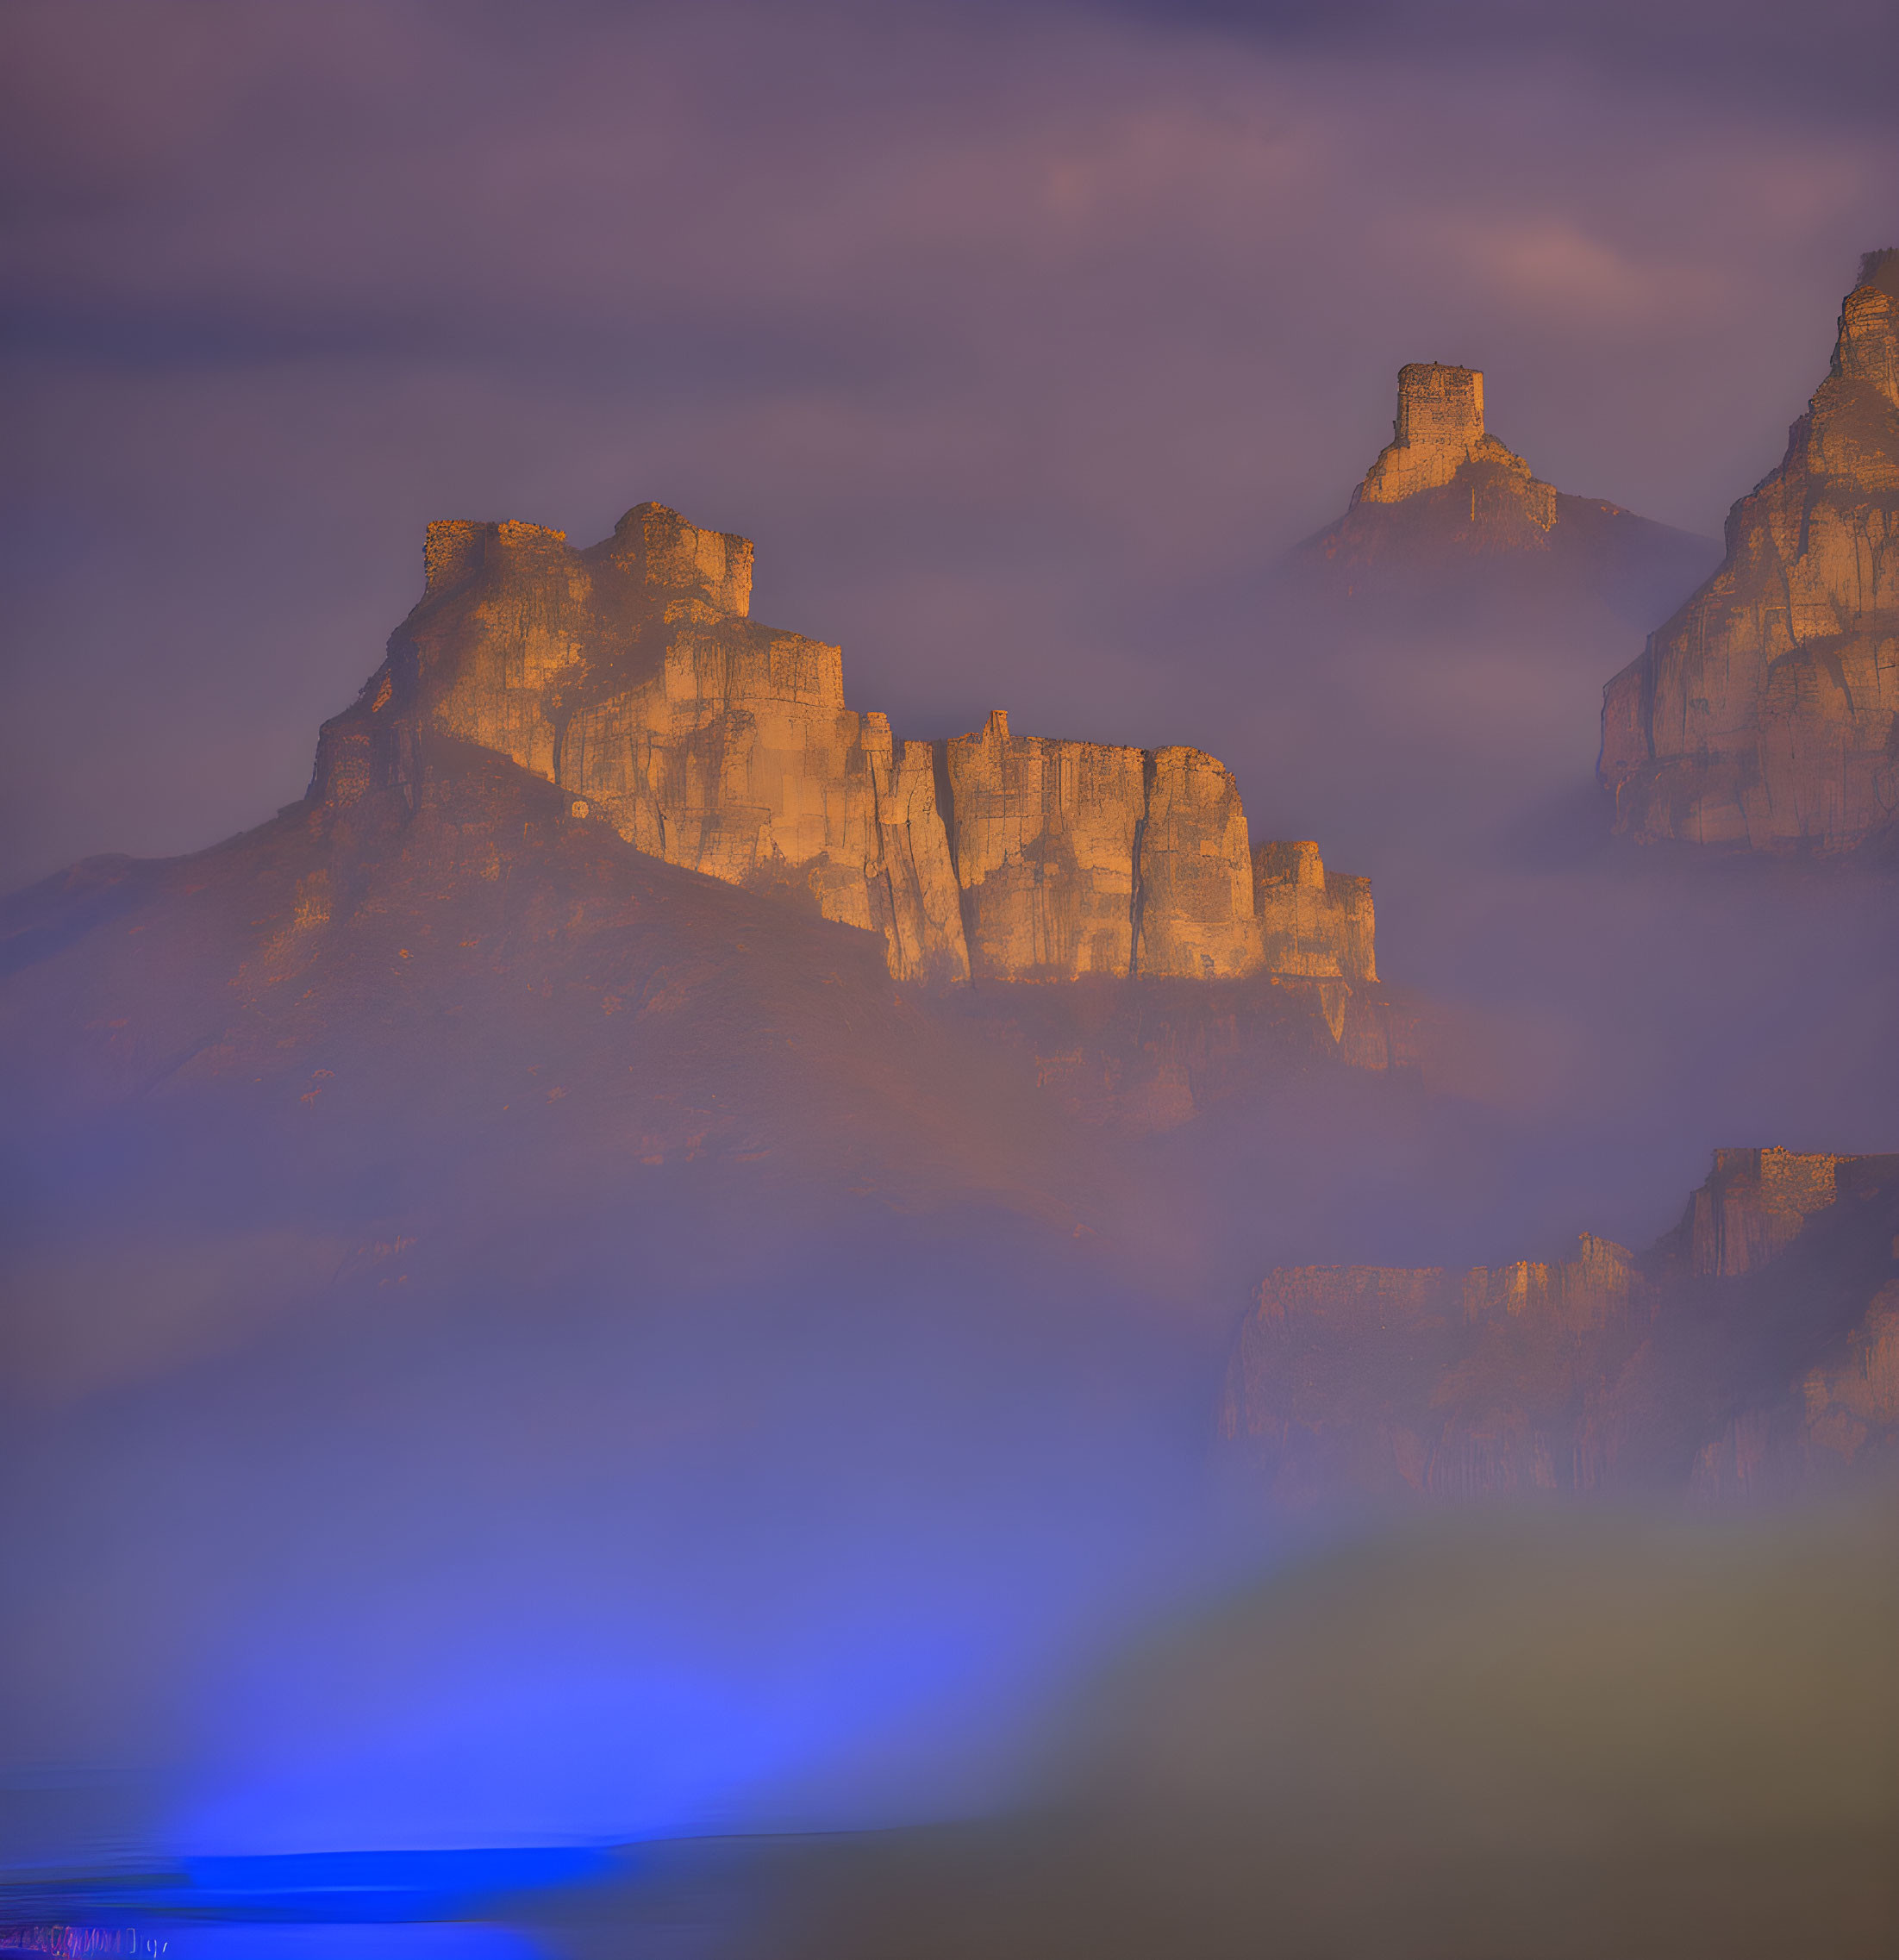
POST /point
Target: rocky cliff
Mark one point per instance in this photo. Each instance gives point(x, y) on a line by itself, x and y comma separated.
point(1764, 714)
point(1447, 512)
point(1312, 921)
point(1755, 1345)
point(1438, 440)
point(631, 676)
point(448, 1033)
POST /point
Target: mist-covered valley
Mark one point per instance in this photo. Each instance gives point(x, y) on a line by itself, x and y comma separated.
point(891, 1326)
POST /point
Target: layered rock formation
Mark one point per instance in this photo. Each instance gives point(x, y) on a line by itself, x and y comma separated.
point(1763, 1332)
point(1313, 921)
point(1439, 439)
point(1076, 858)
point(631, 676)
point(1764, 714)
point(1450, 517)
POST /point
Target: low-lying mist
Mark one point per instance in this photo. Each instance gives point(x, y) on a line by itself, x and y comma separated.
point(455, 1447)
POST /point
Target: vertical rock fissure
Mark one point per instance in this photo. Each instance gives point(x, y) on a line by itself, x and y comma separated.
point(1137, 896)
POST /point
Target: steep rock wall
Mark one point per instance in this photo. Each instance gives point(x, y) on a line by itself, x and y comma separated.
point(1752, 1347)
point(1437, 439)
point(1313, 921)
point(1195, 906)
point(631, 676)
point(1764, 715)
point(1754, 1205)
point(1045, 841)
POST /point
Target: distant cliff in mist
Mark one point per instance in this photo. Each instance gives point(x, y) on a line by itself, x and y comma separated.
point(1753, 1350)
point(1420, 681)
point(1451, 520)
point(1764, 714)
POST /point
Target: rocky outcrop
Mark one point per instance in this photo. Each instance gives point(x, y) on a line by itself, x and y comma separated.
point(1045, 836)
point(631, 676)
point(1438, 439)
point(1195, 908)
point(1764, 714)
point(1449, 517)
point(1312, 921)
point(1753, 1347)
point(1077, 858)
point(1754, 1205)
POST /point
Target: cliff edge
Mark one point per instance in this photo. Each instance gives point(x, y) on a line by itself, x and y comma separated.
point(631, 676)
point(1764, 714)
point(1439, 438)
point(1452, 529)
point(1753, 1349)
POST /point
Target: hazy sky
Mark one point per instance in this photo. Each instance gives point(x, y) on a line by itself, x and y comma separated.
point(996, 327)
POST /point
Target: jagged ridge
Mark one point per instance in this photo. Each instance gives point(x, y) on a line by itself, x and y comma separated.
point(1764, 714)
point(1756, 1345)
point(631, 676)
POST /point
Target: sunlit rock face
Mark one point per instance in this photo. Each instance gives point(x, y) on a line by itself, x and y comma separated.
point(1754, 1347)
point(1439, 439)
point(1312, 921)
point(1045, 841)
point(1195, 906)
point(631, 676)
point(1764, 714)
point(1077, 858)
point(1447, 515)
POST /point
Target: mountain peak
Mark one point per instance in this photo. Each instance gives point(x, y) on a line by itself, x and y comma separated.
point(1764, 714)
point(630, 676)
point(653, 546)
point(1881, 269)
point(1438, 433)
point(1451, 519)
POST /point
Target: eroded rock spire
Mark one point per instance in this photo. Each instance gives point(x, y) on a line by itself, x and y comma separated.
point(1439, 436)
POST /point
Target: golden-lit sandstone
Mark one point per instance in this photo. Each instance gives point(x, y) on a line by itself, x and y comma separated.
point(1765, 714)
point(1439, 439)
point(630, 675)
point(1312, 921)
point(1045, 836)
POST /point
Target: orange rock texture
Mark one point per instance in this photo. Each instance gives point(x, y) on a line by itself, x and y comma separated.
point(1764, 715)
point(1754, 1346)
point(1439, 439)
point(1312, 921)
point(631, 676)
point(1449, 530)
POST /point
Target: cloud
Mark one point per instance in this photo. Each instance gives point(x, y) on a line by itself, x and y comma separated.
point(1554, 267)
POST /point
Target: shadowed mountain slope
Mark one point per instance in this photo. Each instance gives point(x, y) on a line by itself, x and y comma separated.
point(1754, 1348)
